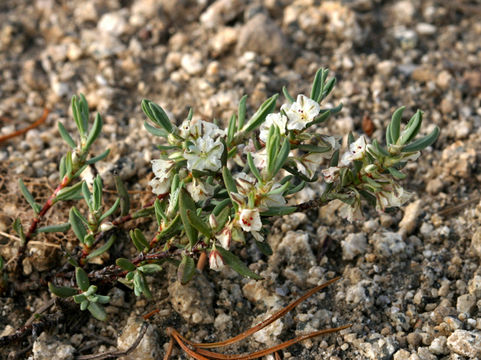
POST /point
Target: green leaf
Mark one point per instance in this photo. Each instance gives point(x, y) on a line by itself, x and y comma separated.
point(82, 279)
point(150, 268)
point(94, 132)
point(412, 128)
point(155, 131)
point(296, 188)
point(97, 193)
point(54, 228)
point(395, 125)
point(241, 112)
point(328, 88)
point(62, 168)
point(288, 96)
point(335, 158)
point(73, 192)
point(87, 195)
point(125, 264)
point(102, 299)
point(172, 229)
point(317, 84)
point(264, 247)
point(36, 207)
point(260, 115)
point(282, 156)
point(396, 173)
point(231, 130)
point(229, 184)
point(79, 298)
point(79, 171)
point(77, 225)
point(186, 270)
point(143, 212)
point(380, 149)
point(123, 194)
point(254, 170)
point(141, 284)
point(98, 157)
point(80, 114)
point(97, 311)
point(279, 210)
point(158, 115)
point(110, 211)
point(186, 203)
point(139, 240)
point(198, 223)
point(388, 135)
point(236, 264)
point(423, 142)
point(103, 248)
point(66, 136)
point(62, 291)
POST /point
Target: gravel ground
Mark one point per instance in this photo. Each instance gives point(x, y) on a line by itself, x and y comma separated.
point(410, 278)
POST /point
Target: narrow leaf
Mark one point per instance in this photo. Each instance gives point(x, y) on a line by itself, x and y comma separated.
point(236, 264)
point(279, 210)
point(54, 228)
point(77, 225)
point(103, 248)
point(241, 112)
point(150, 268)
point(282, 156)
point(423, 142)
point(264, 247)
point(186, 203)
point(125, 264)
point(123, 194)
point(288, 96)
point(97, 311)
point(65, 135)
point(254, 170)
point(395, 125)
point(186, 270)
point(260, 115)
point(396, 173)
point(110, 211)
point(98, 157)
point(94, 132)
point(198, 223)
point(160, 117)
point(316, 84)
point(412, 128)
point(82, 279)
point(28, 196)
point(62, 291)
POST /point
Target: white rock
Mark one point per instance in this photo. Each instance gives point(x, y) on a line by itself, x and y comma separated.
point(114, 23)
point(438, 346)
point(192, 63)
point(46, 347)
point(221, 12)
point(425, 29)
point(466, 343)
point(388, 243)
point(474, 286)
point(409, 220)
point(148, 349)
point(353, 245)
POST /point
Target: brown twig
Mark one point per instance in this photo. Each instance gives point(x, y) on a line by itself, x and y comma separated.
point(311, 204)
point(24, 130)
point(116, 354)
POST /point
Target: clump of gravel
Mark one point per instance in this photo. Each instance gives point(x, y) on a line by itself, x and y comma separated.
point(411, 279)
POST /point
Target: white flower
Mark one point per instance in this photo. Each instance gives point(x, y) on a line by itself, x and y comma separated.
point(308, 164)
point(269, 200)
point(356, 151)
point(260, 158)
point(245, 183)
point(394, 197)
point(200, 190)
point(215, 260)
point(162, 171)
point(225, 237)
point(301, 112)
point(330, 174)
point(200, 128)
point(351, 212)
point(273, 119)
point(250, 220)
point(204, 154)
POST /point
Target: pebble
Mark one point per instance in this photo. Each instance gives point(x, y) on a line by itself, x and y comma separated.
point(465, 343)
point(113, 23)
point(221, 12)
point(474, 286)
point(466, 303)
point(388, 243)
point(46, 347)
point(148, 348)
point(192, 63)
point(410, 218)
point(194, 300)
point(353, 245)
point(438, 346)
point(476, 242)
point(262, 35)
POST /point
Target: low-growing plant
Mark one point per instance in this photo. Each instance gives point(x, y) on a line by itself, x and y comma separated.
point(215, 187)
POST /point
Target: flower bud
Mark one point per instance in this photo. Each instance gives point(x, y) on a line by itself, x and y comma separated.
point(213, 221)
point(225, 237)
point(106, 226)
point(215, 260)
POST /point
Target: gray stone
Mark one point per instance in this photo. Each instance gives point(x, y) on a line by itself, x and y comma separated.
point(388, 243)
point(148, 347)
point(193, 301)
point(353, 245)
point(474, 286)
point(466, 303)
point(221, 12)
point(466, 343)
point(438, 346)
point(46, 347)
point(262, 35)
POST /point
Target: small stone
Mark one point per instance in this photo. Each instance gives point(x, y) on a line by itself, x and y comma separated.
point(423, 74)
point(414, 339)
point(466, 303)
point(425, 29)
point(434, 186)
point(474, 286)
point(476, 242)
point(192, 63)
point(438, 346)
point(193, 301)
point(410, 218)
point(453, 323)
point(425, 354)
point(148, 347)
point(221, 12)
point(403, 11)
point(46, 347)
point(401, 354)
point(388, 243)
point(353, 245)
point(473, 79)
point(466, 343)
point(443, 80)
point(262, 35)
point(114, 23)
